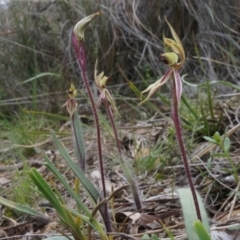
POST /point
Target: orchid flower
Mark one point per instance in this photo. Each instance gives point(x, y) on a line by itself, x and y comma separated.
point(71, 103)
point(78, 40)
point(175, 59)
point(79, 28)
point(105, 95)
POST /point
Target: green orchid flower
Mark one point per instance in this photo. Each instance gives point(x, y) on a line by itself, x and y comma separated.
point(71, 103)
point(105, 95)
point(175, 59)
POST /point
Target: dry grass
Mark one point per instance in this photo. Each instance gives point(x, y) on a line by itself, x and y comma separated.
point(35, 38)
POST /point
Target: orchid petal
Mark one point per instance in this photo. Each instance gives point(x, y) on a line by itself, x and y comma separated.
point(173, 45)
point(155, 86)
point(103, 80)
point(178, 85)
point(100, 79)
point(95, 71)
point(177, 47)
point(112, 103)
point(175, 36)
point(105, 95)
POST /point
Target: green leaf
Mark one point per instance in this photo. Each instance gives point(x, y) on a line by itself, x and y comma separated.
point(211, 140)
point(77, 171)
point(50, 115)
point(226, 145)
point(20, 207)
point(58, 238)
point(48, 193)
point(40, 76)
point(90, 188)
point(78, 141)
point(201, 231)
point(189, 107)
point(145, 237)
point(209, 163)
point(155, 237)
point(189, 212)
point(55, 171)
point(217, 137)
point(92, 222)
point(233, 227)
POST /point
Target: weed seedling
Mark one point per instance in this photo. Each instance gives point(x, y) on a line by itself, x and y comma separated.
point(224, 143)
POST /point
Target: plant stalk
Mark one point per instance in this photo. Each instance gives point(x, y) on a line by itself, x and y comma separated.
point(129, 177)
point(82, 59)
point(178, 128)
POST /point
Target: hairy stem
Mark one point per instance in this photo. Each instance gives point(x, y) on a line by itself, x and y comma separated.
point(82, 59)
point(177, 124)
point(125, 168)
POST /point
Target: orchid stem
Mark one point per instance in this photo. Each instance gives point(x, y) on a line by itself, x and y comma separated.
point(81, 57)
point(178, 128)
point(129, 177)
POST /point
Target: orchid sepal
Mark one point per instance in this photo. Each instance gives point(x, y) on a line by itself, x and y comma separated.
point(79, 28)
point(176, 46)
point(155, 86)
point(105, 95)
point(178, 86)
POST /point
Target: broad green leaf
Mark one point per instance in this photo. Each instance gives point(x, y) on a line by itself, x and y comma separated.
point(201, 231)
point(189, 212)
point(226, 145)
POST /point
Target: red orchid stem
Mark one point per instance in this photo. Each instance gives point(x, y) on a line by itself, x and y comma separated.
point(82, 59)
point(129, 177)
point(178, 128)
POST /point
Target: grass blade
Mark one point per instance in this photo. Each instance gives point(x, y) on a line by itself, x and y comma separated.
point(86, 183)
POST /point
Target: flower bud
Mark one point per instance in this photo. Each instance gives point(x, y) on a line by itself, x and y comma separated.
point(79, 28)
point(71, 106)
